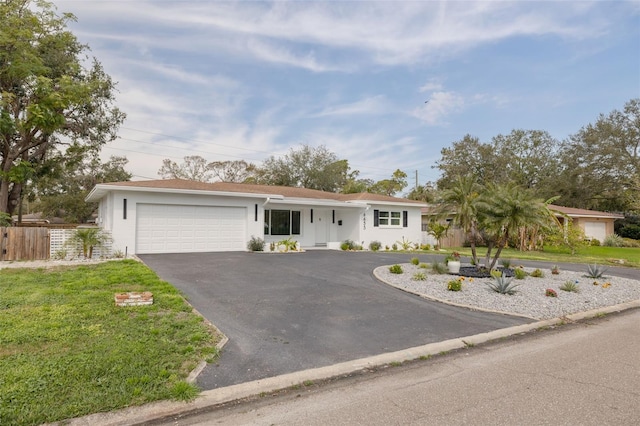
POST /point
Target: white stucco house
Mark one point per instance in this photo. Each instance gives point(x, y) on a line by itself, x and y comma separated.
point(181, 216)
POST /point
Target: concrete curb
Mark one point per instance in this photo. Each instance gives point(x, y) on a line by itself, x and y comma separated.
point(212, 398)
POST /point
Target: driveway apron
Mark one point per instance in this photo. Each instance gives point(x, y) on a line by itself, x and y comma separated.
point(290, 312)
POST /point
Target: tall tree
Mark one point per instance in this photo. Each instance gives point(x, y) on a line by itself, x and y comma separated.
point(194, 167)
point(48, 98)
point(62, 189)
point(426, 193)
point(464, 202)
point(237, 171)
point(602, 162)
point(306, 167)
point(391, 186)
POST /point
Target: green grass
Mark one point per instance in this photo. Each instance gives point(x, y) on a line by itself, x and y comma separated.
point(66, 350)
point(600, 255)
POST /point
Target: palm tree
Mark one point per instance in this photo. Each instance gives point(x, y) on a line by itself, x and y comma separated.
point(464, 201)
point(508, 209)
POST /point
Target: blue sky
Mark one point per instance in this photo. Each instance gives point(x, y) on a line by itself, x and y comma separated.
point(246, 80)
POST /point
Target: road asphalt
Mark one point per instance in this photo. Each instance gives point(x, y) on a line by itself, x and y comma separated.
point(587, 373)
point(581, 369)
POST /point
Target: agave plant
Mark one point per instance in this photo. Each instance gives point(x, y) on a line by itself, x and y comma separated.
point(503, 285)
point(595, 271)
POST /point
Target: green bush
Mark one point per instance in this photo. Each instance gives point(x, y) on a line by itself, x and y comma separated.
point(537, 273)
point(415, 261)
point(570, 286)
point(394, 247)
point(255, 244)
point(419, 276)
point(594, 242)
point(506, 263)
point(423, 265)
point(439, 268)
point(396, 269)
point(495, 273)
point(613, 240)
point(347, 245)
point(520, 273)
point(425, 247)
point(630, 231)
point(454, 285)
point(375, 245)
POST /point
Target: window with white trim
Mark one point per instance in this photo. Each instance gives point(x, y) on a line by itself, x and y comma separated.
point(390, 218)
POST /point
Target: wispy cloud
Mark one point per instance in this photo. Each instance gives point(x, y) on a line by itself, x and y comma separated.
point(439, 107)
point(369, 106)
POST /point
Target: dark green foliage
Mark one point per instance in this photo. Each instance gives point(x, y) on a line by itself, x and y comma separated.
point(454, 285)
point(375, 245)
point(415, 261)
point(395, 269)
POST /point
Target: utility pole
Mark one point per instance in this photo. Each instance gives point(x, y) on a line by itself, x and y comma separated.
point(417, 178)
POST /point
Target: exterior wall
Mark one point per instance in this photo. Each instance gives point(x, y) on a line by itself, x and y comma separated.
point(581, 221)
point(123, 231)
point(389, 236)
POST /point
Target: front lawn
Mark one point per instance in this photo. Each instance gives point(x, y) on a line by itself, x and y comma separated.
point(66, 350)
point(601, 255)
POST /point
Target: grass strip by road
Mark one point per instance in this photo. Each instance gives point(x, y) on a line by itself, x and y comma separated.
point(630, 256)
point(66, 350)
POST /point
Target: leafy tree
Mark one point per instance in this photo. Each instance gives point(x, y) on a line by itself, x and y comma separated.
point(528, 158)
point(463, 200)
point(602, 162)
point(237, 171)
point(48, 98)
point(508, 209)
point(438, 230)
point(306, 167)
point(391, 186)
point(62, 190)
point(569, 235)
point(355, 185)
point(426, 193)
point(194, 167)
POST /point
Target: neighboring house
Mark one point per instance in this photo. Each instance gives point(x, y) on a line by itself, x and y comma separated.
point(595, 224)
point(181, 216)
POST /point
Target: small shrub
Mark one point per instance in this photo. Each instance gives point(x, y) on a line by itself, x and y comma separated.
point(550, 293)
point(394, 247)
point(495, 273)
point(118, 254)
point(613, 240)
point(419, 276)
point(454, 285)
point(537, 273)
point(347, 245)
point(255, 244)
point(423, 265)
point(503, 285)
point(395, 269)
point(425, 247)
point(570, 286)
point(439, 268)
point(386, 248)
point(375, 245)
point(60, 254)
point(520, 273)
point(289, 244)
point(506, 263)
point(555, 270)
point(415, 261)
point(405, 244)
point(595, 271)
point(594, 242)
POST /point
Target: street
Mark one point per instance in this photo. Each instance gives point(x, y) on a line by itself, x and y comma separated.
point(585, 373)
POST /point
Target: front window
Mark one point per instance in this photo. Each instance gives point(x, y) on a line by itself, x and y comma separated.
point(390, 219)
point(281, 222)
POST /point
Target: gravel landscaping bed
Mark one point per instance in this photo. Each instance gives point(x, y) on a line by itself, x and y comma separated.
point(529, 301)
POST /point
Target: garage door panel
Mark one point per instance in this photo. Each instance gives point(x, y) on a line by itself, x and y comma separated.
point(597, 230)
point(163, 228)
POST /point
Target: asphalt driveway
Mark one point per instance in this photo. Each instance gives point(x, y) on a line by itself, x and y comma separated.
point(290, 312)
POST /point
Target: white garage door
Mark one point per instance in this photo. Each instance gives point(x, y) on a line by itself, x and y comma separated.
point(597, 230)
point(162, 228)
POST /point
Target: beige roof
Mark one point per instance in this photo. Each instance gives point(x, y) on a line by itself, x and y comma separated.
point(244, 188)
point(573, 212)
